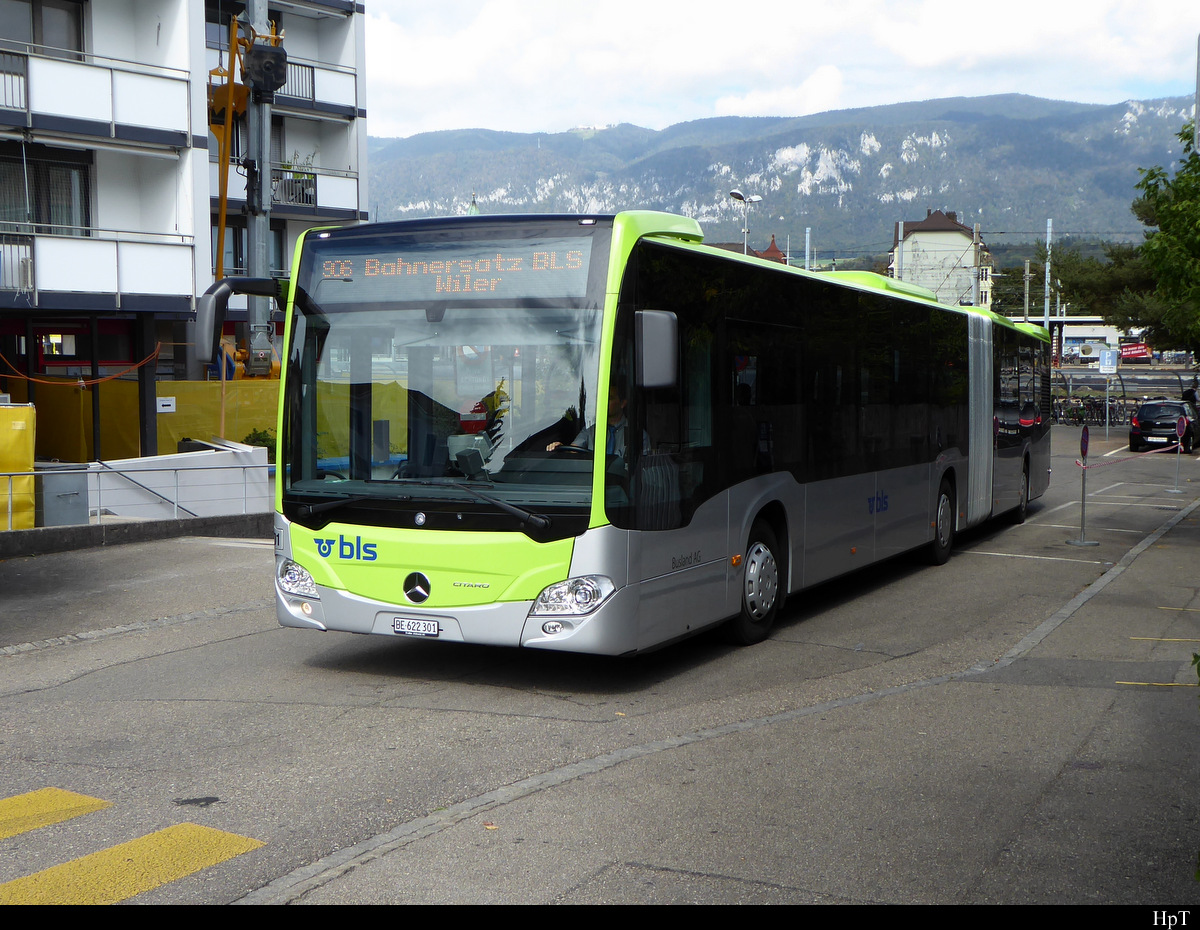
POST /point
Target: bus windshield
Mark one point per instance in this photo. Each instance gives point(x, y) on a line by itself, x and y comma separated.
point(437, 372)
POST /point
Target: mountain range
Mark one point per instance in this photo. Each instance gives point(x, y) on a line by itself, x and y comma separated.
point(1008, 162)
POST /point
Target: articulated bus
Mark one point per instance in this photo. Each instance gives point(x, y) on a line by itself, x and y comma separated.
point(597, 434)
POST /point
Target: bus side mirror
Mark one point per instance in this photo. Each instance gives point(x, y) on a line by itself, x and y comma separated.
point(656, 348)
point(211, 306)
point(210, 318)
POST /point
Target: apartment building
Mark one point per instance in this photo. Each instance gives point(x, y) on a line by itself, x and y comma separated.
point(941, 253)
point(109, 176)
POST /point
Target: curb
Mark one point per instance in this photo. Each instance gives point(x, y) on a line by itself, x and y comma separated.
point(46, 539)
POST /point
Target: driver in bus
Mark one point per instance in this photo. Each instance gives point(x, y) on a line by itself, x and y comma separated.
point(614, 442)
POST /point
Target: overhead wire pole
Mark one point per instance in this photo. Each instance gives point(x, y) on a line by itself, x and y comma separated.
point(1046, 302)
point(1027, 277)
point(975, 275)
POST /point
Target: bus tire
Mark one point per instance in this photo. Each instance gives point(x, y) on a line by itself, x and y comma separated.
point(943, 525)
point(1017, 515)
point(760, 587)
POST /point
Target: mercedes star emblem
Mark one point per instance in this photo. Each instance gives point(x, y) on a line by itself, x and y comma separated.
point(416, 588)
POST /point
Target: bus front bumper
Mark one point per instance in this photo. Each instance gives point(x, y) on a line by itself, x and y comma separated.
point(609, 630)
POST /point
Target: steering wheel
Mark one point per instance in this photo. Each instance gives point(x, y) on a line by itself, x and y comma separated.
point(567, 449)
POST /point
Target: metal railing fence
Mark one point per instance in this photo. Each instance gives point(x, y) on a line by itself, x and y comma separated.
point(160, 497)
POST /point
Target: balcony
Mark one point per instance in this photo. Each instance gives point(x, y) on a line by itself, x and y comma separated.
point(86, 94)
point(314, 89)
point(105, 267)
point(315, 86)
point(307, 190)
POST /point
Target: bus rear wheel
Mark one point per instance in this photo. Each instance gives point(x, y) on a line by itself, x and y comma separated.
point(760, 587)
point(943, 527)
point(1018, 513)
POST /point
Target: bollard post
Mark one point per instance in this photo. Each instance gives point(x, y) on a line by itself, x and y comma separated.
point(1083, 451)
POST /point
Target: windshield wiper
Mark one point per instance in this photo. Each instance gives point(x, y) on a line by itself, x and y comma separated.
point(536, 520)
point(308, 510)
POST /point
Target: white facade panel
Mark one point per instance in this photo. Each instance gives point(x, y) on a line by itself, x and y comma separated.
point(146, 268)
point(75, 264)
point(337, 192)
point(237, 181)
point(335, 87)
point(70, 88)
point(148, 100)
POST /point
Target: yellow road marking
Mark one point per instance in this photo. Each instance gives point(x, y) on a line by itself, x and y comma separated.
point(1189, 609)
point(24, 812)
point(1162, 639)
point(1161, 684)
point(128, 869)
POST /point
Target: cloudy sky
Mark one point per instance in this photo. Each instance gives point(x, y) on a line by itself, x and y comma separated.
point(529, 65)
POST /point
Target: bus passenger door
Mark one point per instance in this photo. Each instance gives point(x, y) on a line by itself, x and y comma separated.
point(677, 556)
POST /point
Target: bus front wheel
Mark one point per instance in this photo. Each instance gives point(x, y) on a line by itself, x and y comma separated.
point(760, 587)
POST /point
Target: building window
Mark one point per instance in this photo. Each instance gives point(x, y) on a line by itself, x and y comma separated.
point(52, 27)
point(236, 247)
point(45, 190)
point(238, 141)
point(217, 14)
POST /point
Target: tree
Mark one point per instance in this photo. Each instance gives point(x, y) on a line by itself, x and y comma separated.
point(1097, 282)
point(1170, 254)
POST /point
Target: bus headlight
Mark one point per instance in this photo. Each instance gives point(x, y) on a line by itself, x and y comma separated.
point(295, 579)
point(574, 597)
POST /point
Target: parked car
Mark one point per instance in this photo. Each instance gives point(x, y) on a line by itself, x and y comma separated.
point(1154, 425)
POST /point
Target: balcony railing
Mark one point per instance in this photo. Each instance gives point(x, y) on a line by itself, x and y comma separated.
point(16, 263)
point(13, 70)
point(294, 187)
point(300, 82)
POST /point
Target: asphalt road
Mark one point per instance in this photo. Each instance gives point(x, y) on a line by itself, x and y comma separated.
point(1017, 726)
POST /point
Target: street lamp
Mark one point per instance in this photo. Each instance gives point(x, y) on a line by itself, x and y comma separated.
point(747, 201)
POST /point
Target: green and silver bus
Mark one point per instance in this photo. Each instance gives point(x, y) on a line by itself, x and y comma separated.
point(597, 434)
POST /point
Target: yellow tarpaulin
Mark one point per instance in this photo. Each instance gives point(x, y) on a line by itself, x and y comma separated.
point(17, 428)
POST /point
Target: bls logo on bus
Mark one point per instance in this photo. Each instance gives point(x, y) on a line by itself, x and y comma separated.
point(346, 549)
point(877, 504)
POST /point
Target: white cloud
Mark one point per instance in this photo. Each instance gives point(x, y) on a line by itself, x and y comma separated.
point(542, 66)
point(821, 91)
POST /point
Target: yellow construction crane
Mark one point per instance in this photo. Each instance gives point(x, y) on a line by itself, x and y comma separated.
point(227, 100)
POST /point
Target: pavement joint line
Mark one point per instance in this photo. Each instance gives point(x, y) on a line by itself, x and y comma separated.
point(293, 885)
point(1073, 526)
point(1044, 558)
point(139, 626)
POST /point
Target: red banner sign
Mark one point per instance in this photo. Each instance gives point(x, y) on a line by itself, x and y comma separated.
point(1135, 350)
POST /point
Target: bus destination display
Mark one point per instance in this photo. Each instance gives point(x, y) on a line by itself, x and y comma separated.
point(512, 269)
